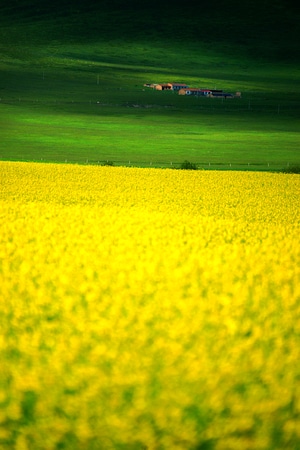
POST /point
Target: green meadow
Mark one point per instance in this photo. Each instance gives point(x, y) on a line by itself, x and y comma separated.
point(79, 98)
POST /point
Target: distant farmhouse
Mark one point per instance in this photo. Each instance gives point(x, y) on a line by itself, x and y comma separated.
point(166, 86)
point(178, 86)
point(195, 91)
point(183, 89)
point(205, 92)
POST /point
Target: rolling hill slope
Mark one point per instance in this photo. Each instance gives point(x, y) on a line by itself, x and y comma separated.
point(72, 75)
point(268, 28)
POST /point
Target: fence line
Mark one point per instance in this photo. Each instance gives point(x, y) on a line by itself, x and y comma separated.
point(217, 165)
point(224, 106)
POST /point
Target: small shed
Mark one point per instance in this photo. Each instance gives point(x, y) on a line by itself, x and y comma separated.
point(205, 92)
point(163, 87)
point(178, 86)
point(194, 91)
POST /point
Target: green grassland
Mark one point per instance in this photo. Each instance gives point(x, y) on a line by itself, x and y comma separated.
point(79, 96)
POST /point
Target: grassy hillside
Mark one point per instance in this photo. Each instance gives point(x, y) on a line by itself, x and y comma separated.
point(72, 78)
point(268, 28)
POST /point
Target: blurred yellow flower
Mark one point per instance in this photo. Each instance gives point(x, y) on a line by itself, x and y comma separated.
point(148, 308)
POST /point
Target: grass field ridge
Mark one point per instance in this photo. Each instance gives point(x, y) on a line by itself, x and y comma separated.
point(79, 96)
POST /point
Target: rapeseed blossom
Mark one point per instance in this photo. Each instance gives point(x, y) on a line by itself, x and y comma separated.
point(148, 309)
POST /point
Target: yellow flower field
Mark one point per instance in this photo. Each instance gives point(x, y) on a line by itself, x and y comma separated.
point(148, 309)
